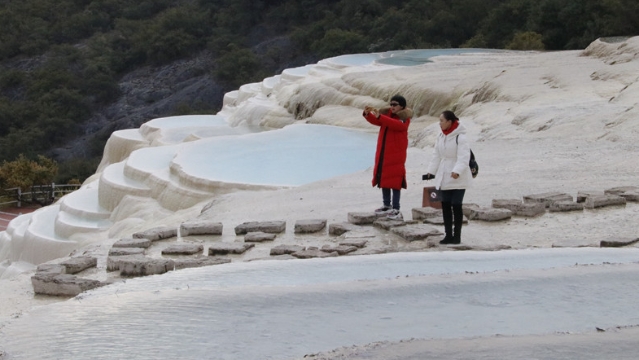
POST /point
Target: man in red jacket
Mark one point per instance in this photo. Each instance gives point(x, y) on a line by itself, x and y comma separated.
point(390, 157)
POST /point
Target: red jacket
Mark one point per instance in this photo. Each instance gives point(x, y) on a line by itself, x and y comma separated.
point(392, 143)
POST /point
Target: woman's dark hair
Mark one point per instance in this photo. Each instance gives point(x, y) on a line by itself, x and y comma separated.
point(400, 100)
point(449, 115)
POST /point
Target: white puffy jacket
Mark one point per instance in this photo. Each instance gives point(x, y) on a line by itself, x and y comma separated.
point(452, 154)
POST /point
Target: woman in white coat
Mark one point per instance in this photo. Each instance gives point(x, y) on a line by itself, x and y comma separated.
point(452, 174)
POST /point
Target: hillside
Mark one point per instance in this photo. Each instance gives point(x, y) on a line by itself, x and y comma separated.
point(72, 72)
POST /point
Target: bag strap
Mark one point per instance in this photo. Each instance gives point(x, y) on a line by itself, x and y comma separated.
point(472, 156)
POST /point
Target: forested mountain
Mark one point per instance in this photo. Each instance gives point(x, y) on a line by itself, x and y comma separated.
point(73, 71)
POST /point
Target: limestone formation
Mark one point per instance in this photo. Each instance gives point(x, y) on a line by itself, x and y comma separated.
point(340, 228)
point(228, 248)
point(145, 266)
point(362, 218)
point(618, 242)
point(620, 190)
point(126, 251)
point(416, 232)
point(272, 227)
point(468, 208)
point(584, 194)
point(309, 226)
point(183, 249)
point(157, 233)
point(132, 243)
point(200, 227)
point(561, 206)
point(61, 284)
point(630, 195)
point(439, 220)
point(388, 224)
point(76, 264)
point(316, 253)
point(425, 213)
point(259, 236)
point(285, 249)
point(594, 202)
point(357, 243)
point(510, 204)
point(113, 262)
point(199, 262)
point(51, 269)
point(547, 198)
point(490, 214)
point(340, 250)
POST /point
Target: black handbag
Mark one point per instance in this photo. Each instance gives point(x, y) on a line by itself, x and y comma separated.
point(472, 164)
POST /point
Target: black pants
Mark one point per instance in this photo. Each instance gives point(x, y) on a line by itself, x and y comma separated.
point(452, 211)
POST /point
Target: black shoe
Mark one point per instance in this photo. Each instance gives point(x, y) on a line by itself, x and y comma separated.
point(447, 240)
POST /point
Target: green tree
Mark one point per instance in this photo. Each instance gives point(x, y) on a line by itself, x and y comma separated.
point(24, 172)
point(528, 40)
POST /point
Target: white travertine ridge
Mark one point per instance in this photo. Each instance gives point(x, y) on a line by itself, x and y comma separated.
point(296, 147)
point(507, 95)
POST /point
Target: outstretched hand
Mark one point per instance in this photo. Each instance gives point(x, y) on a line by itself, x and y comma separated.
point(370, 109)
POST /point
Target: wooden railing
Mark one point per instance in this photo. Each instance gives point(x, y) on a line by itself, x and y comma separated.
point(37, 194)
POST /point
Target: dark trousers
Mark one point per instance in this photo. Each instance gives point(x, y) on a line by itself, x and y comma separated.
point(386, 195)
point(452, 211)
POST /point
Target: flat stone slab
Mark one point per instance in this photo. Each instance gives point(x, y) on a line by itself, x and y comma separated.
point(547, 198)
point(157, 233)
point(425, 213)
point(510, 204)
point(183, 249)
point(519, 208)
point(145, 266)
point(51, 269)
point(228, 248)
point(584, 194)
point(126, 251)
point(340, 250)
point(416, 232)
point(387, 224)
point(630, 196)
point(201, 227)
point(61, 284)
point(340, 228)
point(620, 190)
point(286, 249)
point(490, 214)
point(561, 206)
point(530, 210)
point(316, 253)
point(465, 247)
point(439, 220)
point(113, 262)
point(200, 262)
point(362, 218)
point(357, 243)
point(309, 226)
point(76, 264)
point(132, 243)
point(594, 202)
point(618, 242)
point(272, 227)
point(468, 208)
point(574, 242)
point(259, 236)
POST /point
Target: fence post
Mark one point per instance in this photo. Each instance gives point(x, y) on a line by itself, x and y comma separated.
point(19, 197)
